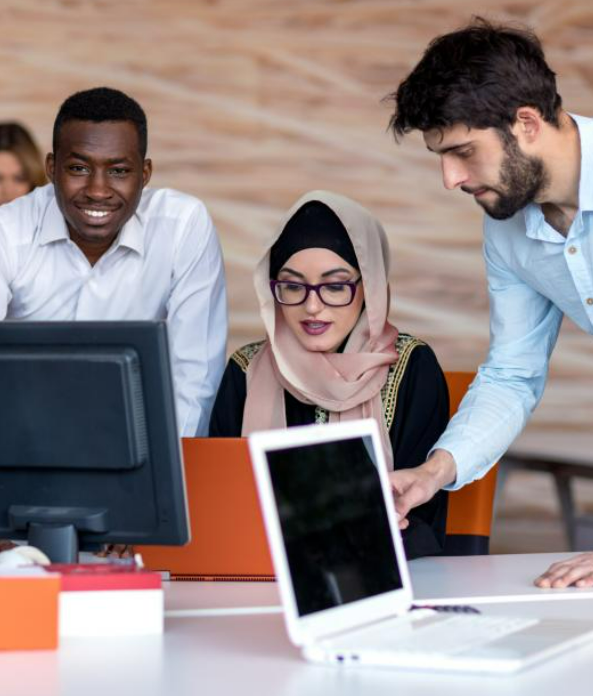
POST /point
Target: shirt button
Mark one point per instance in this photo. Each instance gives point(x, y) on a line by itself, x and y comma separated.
point(572, 250)
point(590, 300)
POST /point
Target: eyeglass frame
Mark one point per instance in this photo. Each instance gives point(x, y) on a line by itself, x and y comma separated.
point(351, 284)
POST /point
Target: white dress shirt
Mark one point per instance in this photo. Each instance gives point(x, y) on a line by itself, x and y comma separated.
point(165, 264)
point(535, 276)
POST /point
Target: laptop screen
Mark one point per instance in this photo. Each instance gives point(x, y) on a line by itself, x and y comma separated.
point(334, 523)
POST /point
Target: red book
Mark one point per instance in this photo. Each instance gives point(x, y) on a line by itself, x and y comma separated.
point(78, 577)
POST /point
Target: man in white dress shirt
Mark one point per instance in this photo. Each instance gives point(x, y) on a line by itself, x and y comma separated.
point(95, 244)
point(486, 103)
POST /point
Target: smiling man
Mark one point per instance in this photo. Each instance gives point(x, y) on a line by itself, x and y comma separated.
point(486, 103)
point(96, 245)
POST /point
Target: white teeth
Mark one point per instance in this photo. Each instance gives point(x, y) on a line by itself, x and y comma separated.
point(316, 325)
point(96, 213)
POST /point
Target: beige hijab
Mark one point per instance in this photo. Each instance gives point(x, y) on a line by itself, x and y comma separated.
point(347, 384)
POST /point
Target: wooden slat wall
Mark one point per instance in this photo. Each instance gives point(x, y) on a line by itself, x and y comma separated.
point(253, 102)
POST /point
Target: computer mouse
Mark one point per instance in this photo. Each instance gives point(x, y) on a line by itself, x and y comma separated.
point(22, 556)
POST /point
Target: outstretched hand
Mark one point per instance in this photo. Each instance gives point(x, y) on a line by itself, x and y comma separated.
point(413, 487)
point(577, 571)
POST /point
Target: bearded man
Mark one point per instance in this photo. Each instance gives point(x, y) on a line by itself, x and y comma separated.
point(486, 103)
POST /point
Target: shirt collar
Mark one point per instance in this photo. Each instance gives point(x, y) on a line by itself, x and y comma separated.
point(132, 234)
point(536, 226)
point(53, 225)
point(585, 126)
point(535, 223)
point(54, 229)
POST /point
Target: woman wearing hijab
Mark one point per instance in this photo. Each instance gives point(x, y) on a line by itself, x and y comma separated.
point(330, 353)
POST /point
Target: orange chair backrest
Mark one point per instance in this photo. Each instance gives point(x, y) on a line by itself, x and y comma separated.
point(470, 509)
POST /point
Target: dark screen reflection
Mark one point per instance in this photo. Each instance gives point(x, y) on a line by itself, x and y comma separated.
point(334, 523)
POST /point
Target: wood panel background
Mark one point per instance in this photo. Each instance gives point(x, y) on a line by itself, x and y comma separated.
point(253, 102)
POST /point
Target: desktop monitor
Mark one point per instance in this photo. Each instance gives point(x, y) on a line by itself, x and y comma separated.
point(89, 448)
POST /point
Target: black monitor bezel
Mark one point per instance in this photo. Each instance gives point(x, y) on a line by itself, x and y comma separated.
point(150, 340)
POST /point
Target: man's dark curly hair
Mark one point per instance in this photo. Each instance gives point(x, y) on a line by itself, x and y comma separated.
point(102, 104)
point(478, 76)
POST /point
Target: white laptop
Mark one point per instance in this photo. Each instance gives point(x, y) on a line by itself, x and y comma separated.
point(342, 572)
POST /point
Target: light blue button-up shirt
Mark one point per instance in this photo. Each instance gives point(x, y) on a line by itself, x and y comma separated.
point(535, 276)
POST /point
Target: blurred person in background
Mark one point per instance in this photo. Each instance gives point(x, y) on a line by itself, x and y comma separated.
point(21, 164)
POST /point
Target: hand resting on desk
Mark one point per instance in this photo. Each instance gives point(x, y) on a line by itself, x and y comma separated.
point(577, 571)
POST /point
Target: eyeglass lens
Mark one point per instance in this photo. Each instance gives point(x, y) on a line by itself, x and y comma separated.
point(333, 294)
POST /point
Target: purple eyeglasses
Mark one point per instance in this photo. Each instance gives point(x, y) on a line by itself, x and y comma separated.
point(290, 292)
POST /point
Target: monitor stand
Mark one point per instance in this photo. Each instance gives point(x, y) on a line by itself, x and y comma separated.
point(55, 530)
point(59, 542)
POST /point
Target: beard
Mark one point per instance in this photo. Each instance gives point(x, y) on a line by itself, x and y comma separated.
point(522, 178)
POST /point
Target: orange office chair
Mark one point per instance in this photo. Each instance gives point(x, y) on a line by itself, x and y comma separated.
point(469, 516)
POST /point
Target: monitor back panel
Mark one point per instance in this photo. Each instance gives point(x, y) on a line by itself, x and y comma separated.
point(228, 540)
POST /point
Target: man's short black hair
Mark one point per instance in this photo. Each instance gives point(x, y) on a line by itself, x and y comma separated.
point(478, 76)
point(102, 104)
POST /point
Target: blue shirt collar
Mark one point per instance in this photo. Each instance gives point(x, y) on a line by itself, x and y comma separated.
point(585, 126)
point(535, 224)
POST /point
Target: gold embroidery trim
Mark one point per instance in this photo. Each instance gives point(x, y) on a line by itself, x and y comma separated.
point(244, 355)
point(405, 345)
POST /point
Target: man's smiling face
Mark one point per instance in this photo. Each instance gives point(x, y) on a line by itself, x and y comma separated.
point(98, 173)
point(488, 165)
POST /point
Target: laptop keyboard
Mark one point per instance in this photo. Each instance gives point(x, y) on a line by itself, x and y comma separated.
point(457, 634)
point(433, 636)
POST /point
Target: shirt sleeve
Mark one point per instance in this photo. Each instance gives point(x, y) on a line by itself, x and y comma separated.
point(524, 327)
point(420, 417)
point(197, 322)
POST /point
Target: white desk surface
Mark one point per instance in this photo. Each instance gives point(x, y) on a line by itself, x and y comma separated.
point(488, 579)
point(249, 654)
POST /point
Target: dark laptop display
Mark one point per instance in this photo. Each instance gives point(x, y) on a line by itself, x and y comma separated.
point(334, 523)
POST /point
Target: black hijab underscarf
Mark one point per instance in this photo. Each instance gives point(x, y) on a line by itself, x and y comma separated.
point(314, 226)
